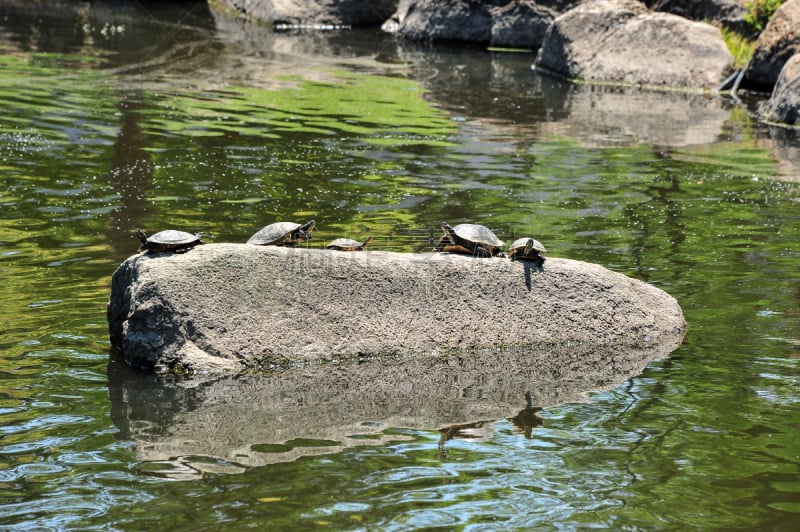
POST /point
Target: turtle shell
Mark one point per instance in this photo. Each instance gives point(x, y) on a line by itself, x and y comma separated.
point(480, 234)
point(519, 245)
point(348, 244)
point(170, 239)
point(471, 239)
point(282, 234)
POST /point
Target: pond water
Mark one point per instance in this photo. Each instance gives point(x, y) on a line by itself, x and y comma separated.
point(177, 116)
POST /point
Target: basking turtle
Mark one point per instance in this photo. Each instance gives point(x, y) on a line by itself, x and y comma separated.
point(169, 240)
point(472, 239)
point(348, 244)
point(526, 248)
point(282, 234)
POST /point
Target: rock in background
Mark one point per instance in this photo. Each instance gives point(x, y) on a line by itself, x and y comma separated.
point(779, 41)
point(315, 12)
point(784, 104)
point(514, 23)
point(620, 41)
point(728, 13)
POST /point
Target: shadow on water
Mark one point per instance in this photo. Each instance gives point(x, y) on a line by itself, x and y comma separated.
point(231, 423)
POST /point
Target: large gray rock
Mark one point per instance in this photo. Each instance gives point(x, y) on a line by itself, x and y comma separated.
point(728, 13)
point(620, 41)
point(516, 23)
point(236, 307)
point(784, 105)
point(315, 12)
point(779, 41)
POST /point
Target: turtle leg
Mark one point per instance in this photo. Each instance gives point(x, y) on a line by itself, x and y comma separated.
point(184, 249)
point(455, 248)
point(481, 251)
point(442, 243)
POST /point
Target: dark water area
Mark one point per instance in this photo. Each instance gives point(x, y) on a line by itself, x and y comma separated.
point(118, 115)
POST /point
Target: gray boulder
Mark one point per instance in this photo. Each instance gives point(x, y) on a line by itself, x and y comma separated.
point(299, 13)
point(779, 41)
point(234, 307)
point(784, 105)
point(728, 13)
point(621, 42)
point(515, 23)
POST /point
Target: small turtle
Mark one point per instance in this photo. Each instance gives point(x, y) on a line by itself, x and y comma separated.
point(348, 244)
point(472, 239)
point(282, 234)
point(526, 248)
point(169, 240)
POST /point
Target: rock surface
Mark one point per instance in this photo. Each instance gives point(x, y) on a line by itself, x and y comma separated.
point(235, 307)
point(784, 104)
point(514, 23)
point(619, 41)
point(300, 13)
point(779, 41)
point(728, 13)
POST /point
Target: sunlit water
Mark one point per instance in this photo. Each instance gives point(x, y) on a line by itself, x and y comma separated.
point(177, 117)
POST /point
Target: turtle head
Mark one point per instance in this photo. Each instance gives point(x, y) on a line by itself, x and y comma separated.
point(141, 235)
point(366, 242)
point(304, 231)
point(529, 245)
point(448, 229)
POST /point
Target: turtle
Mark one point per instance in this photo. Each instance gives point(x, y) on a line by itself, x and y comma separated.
point(169, 240)
point(282, 234)
point(348, 244)
point(526, 248)
point(472, 239)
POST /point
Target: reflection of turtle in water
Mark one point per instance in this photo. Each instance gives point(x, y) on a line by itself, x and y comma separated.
point(348, 244)
point(471, 239)
point(169, 240)
point(282, 234)
point(528, 249)
point(474, 431)
point(528, 418)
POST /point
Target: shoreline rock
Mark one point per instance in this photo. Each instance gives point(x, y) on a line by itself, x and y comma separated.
point(239, 308)
point(614, 41)
point(783, 107)
point(779, 41)
point(313, 14)
point(512, 23)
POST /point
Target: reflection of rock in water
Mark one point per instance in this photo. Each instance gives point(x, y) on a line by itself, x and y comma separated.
point(786, 151)
point(182, 429)
point(613, 116)
point(504, 93)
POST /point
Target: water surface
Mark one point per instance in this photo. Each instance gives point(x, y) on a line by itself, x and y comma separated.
point(159, 116)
